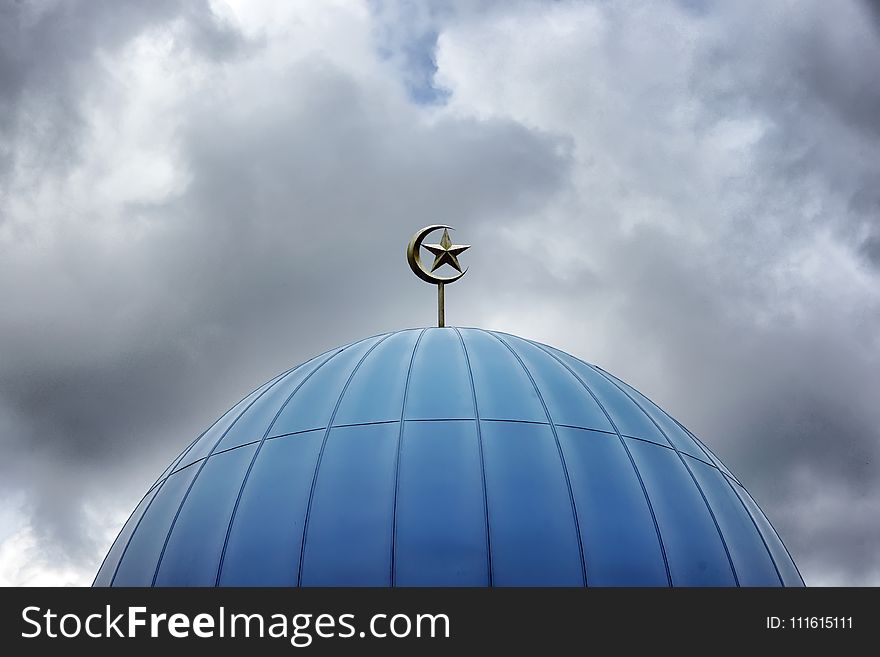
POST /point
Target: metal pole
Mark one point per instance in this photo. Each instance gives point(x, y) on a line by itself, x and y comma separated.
point(441, 319)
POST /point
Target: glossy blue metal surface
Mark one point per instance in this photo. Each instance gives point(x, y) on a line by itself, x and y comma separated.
point(439, 385)
point(141, 555)
point(694, 547)
point(365, 400)
point(628, 418)
point(259, 417)
point(787, 570)
point(560, 389)
point(208, 441)
point(749, 554)
point(620, 539)
point(348, 529)
point(440, 525)
point(447, 457)
point(192, 553)
point(315, 401)
point(265, 537)
point(108, 567)
point(532, 526)
point(503, 388)
point(675, 435)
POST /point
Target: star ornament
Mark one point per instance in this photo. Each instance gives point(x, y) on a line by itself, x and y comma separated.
point(446, 253)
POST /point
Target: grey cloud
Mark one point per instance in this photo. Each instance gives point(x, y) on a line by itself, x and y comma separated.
point(804, 70)
point(49, 54)
point(744, 315)
point(871, 249)
point(286, 237)
point(120, 357)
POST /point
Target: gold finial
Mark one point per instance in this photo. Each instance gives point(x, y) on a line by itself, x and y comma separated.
point(445, 253)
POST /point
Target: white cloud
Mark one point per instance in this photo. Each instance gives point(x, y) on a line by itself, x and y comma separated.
point(681, 197)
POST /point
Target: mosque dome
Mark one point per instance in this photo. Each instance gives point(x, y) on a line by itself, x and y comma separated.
point(447, 457)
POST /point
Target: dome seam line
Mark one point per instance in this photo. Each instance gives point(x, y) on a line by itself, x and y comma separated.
point(741, 495)
point(687, 467)
point(277, 380)
point(302, 552)
point(262, 441)
point(625, 448)
point(137, 524)
point(622, 384)
point(727, 478)
point(158, 484)
point(268, 386)
point(412, 359)
point(467, 361)
point(744, 507)
point(574, 513)
point(715, 460)
point(365, 499)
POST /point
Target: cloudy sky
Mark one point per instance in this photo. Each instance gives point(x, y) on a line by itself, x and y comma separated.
point(197, 195)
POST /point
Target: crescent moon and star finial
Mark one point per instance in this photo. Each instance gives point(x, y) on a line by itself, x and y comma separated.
point(445, 253)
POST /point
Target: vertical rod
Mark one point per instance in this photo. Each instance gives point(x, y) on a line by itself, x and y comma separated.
point(441, 311)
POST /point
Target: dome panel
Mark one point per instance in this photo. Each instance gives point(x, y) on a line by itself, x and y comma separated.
point(503, 389)
point(447, 457)
point(531, 520)
point(208, 440)
point(627, 417)
point(714, 460)
point(265, 535)
point(787, 569)
point(137, 566)
point(676, 436)
point(749, 554)
point(310, 407)
point(365, 401)
point(694, 549)
point(348, 527)
point(258, 419)
point(621, 544)
point(440, 525)
point(173, 465)
point(440, 383)
point(192, 551)
point(560, 389)
point(108, 567)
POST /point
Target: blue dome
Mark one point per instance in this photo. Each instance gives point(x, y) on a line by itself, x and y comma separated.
point(447, 457)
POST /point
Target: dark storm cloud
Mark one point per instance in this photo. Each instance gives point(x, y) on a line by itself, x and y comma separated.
point(806, 391)
point(59, 408)
point(119, 354)
point(791, 410)
point(725, 234)
point(698, 214)
point(818, 72)
point(807, 381)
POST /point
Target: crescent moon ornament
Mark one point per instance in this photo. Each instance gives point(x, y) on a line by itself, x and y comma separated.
point(445, 247)
point(445, 253)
